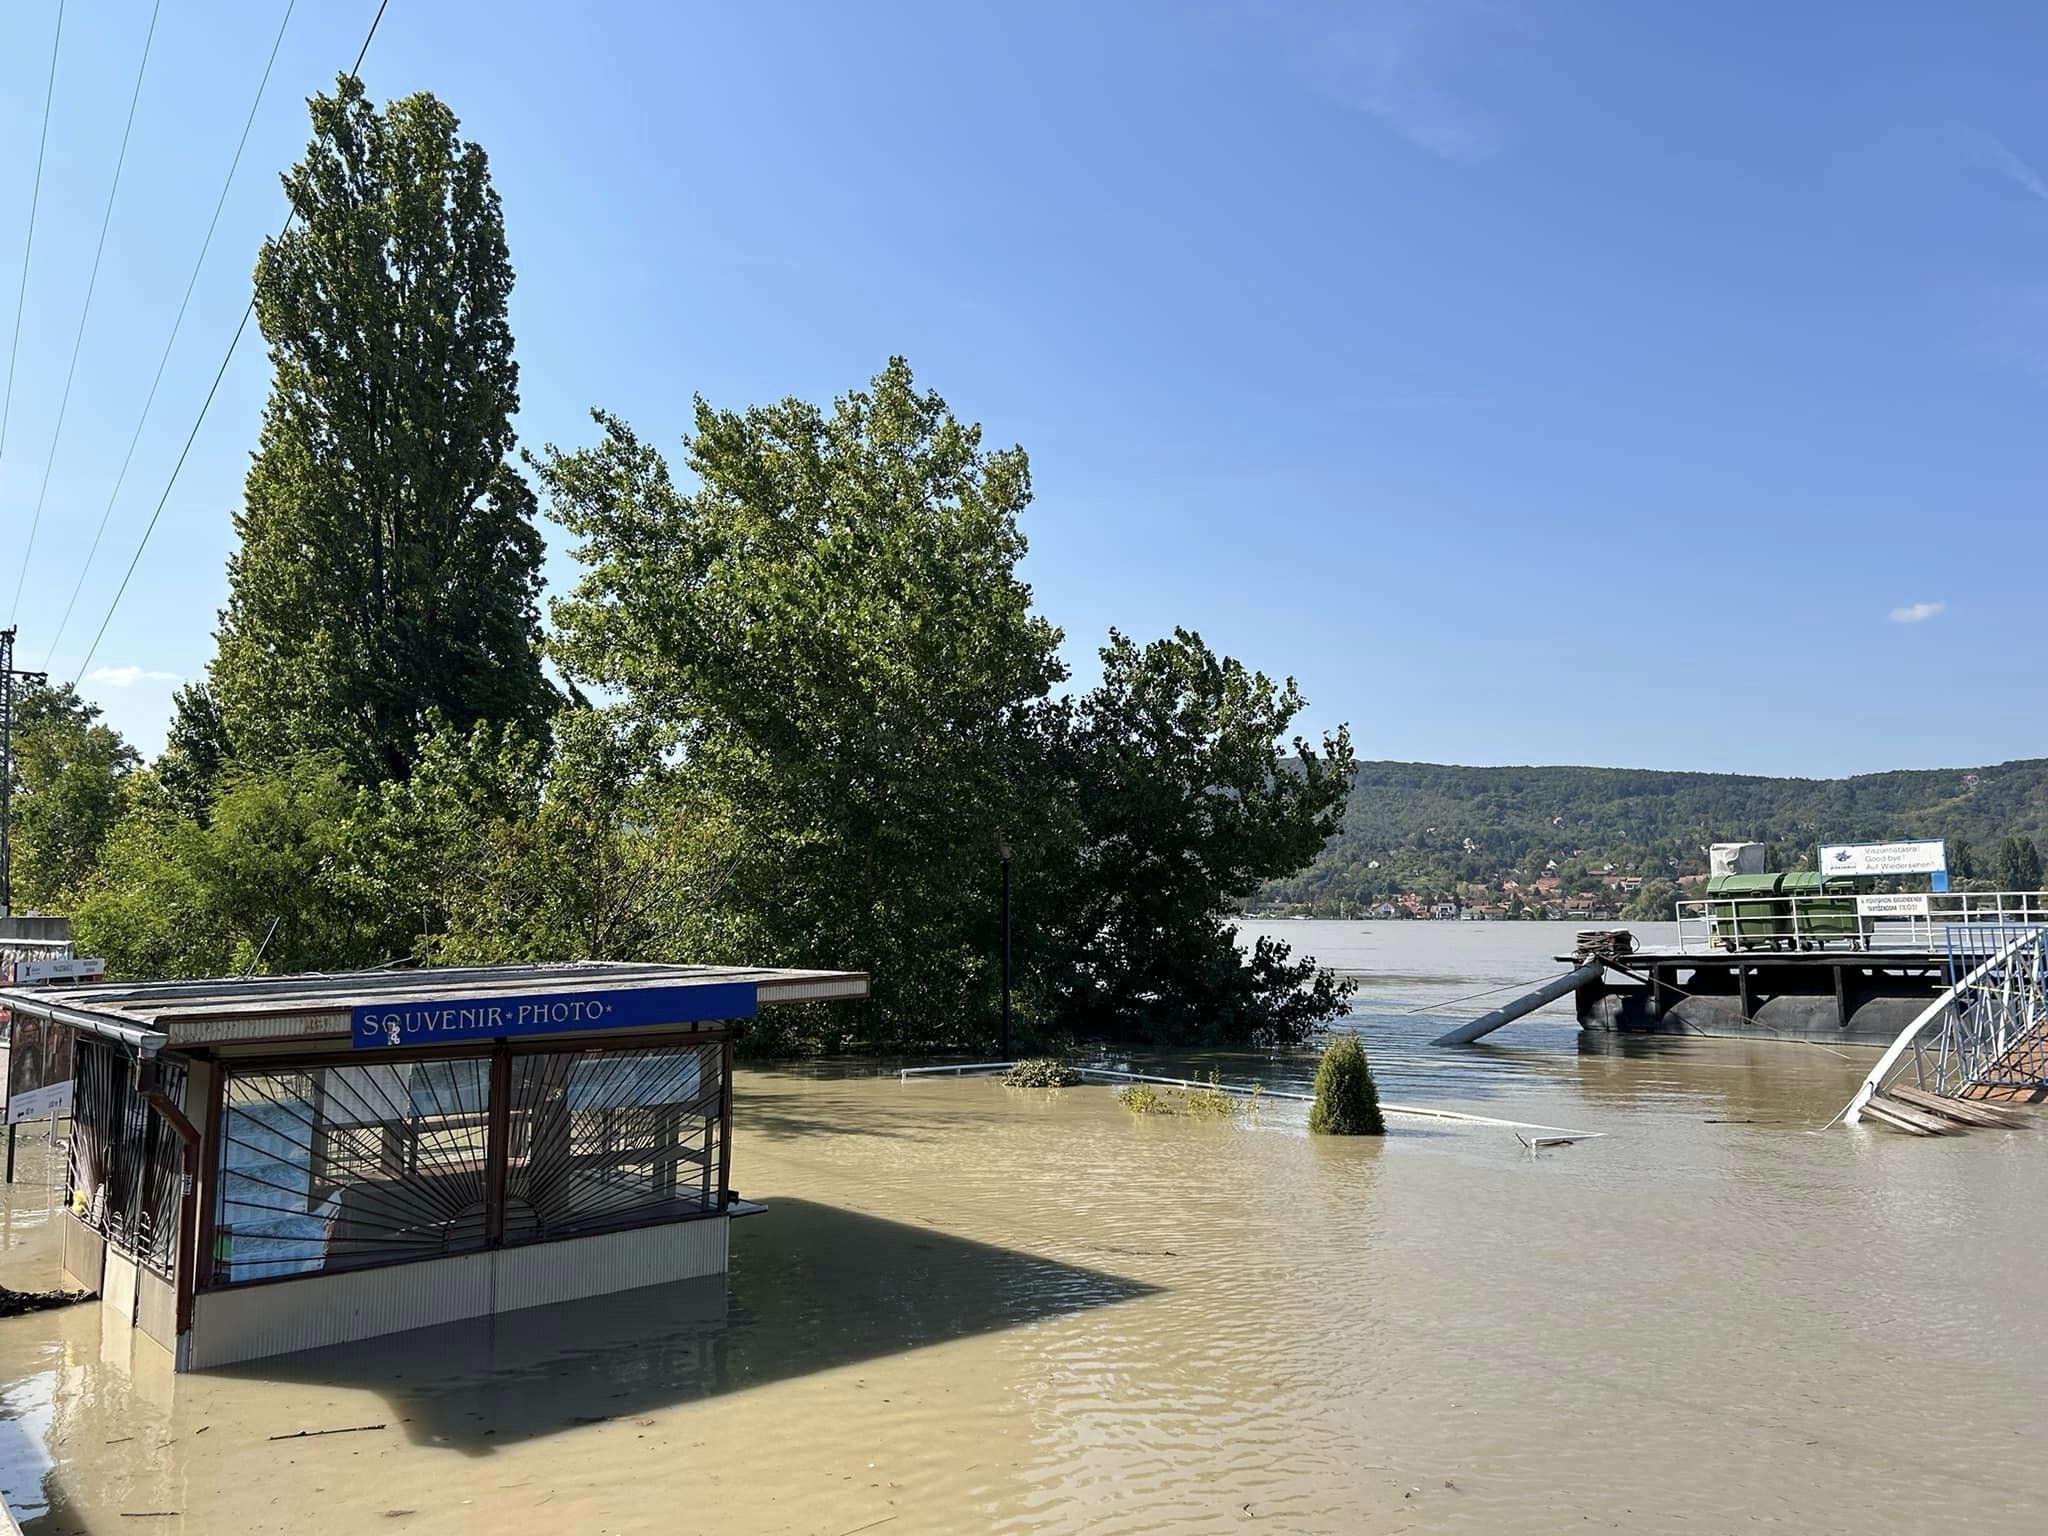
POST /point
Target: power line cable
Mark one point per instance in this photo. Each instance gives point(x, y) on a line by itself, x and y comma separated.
point(205, 405)
point(34, 201)
point(176, 325)
point(78, 342)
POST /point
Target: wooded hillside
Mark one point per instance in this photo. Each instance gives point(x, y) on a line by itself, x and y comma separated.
point(1431, 829)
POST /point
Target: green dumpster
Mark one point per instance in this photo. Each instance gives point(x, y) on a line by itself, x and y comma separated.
point(1824, 910)
point(1747, 912)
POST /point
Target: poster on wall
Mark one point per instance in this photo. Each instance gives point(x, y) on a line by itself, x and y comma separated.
point(38, 1069)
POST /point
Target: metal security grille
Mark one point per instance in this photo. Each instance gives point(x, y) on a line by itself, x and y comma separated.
point(126, 1165)
point(106, 1128)
point(338, 1167)
point(612, 1138)
point(160, 1184)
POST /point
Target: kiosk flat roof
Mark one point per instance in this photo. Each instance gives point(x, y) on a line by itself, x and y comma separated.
point(178, 1015)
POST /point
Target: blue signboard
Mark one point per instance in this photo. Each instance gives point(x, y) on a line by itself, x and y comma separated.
point(463, 1020)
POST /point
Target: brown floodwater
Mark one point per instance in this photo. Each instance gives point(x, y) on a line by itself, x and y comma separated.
point(970, 1308)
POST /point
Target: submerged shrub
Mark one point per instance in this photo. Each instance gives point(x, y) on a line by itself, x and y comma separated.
point(1347, 1101)
point(1211, 1102)
point(1041, 1072)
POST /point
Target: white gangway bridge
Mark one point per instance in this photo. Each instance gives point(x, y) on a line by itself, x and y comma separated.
point(1979, 1049)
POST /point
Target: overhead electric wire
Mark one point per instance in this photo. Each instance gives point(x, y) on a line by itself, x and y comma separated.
point(35, 199)
point(171, 340)
point(84, 313)
point(205, 405)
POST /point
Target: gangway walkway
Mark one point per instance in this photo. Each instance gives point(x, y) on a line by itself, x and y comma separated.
point(1980, 1045)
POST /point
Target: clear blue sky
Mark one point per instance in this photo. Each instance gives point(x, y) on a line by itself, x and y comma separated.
point(1579, 382)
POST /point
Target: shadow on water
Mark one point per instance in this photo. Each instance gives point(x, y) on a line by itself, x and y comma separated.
point(812, 1287)
point(1760, 1081)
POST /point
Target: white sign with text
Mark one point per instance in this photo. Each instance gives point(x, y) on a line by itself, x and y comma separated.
point(1928, 858)
point(1891, 906)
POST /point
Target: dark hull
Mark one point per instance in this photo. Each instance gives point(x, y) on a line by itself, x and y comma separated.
point(1835, 998)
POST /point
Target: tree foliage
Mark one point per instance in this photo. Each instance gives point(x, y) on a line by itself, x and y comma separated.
point(389, 568)
point(1655, 902)
point(2019, 865)
point(1182, 802)
point(273, 871)
point(68, 770)
point(830, 622)
point(833, 621)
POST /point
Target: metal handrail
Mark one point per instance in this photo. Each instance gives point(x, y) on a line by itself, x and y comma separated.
point(1873, 922)
point(1998, 979)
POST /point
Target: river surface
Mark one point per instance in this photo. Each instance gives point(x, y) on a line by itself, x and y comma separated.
point(970, 1308)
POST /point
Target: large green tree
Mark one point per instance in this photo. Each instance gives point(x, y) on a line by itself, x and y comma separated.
point(389, 567)
point(831, 623)
point(588, 847)
point(280, 870)
point(69, 770)
point(2019, 865)
point(1184, 798)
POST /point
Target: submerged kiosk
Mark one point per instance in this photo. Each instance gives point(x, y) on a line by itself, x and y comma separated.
point(275, 1163)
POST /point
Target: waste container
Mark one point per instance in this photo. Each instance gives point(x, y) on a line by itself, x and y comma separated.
point(1820, 910)
point(1747, 912)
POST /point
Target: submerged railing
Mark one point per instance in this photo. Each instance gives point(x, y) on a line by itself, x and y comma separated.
point(1994, 1036)
point(1892, 921)
point(1987, 1030)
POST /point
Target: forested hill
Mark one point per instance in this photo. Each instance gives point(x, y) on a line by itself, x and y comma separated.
point(1425, 828)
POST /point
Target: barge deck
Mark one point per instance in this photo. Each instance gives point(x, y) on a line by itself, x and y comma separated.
point(1836, 997)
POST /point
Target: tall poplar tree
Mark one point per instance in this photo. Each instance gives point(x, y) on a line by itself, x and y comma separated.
point(389, 567)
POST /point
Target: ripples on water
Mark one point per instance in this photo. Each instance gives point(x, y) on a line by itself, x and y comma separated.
point(977, 1309)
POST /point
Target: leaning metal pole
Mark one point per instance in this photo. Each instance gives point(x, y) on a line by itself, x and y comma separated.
point(1528, 1002)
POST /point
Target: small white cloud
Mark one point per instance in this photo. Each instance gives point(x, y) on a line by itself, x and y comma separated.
point(1916, 613)
point(1394, 60)
point(128, 677)
point(2008, 163)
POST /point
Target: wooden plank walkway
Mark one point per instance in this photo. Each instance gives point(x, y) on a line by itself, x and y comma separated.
point(1920, 1113)
point(1960, 1110)
point(1904, 1117)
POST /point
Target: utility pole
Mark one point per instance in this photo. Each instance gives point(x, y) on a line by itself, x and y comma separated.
point(8, 678)
point(1003, 848)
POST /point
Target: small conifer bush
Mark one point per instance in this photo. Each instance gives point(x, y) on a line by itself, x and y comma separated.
point(1347, 1102)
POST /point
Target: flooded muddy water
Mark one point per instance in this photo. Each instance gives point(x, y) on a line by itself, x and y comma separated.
point(970, 1308)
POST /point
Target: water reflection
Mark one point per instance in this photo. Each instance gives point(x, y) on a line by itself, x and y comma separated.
point(812, 1288)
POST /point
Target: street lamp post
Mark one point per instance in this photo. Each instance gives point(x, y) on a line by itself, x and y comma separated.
point(1003, 848)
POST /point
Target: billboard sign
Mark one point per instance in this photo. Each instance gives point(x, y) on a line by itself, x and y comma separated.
point(38, 1069)
point(64, 968)
point(1927, 858)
